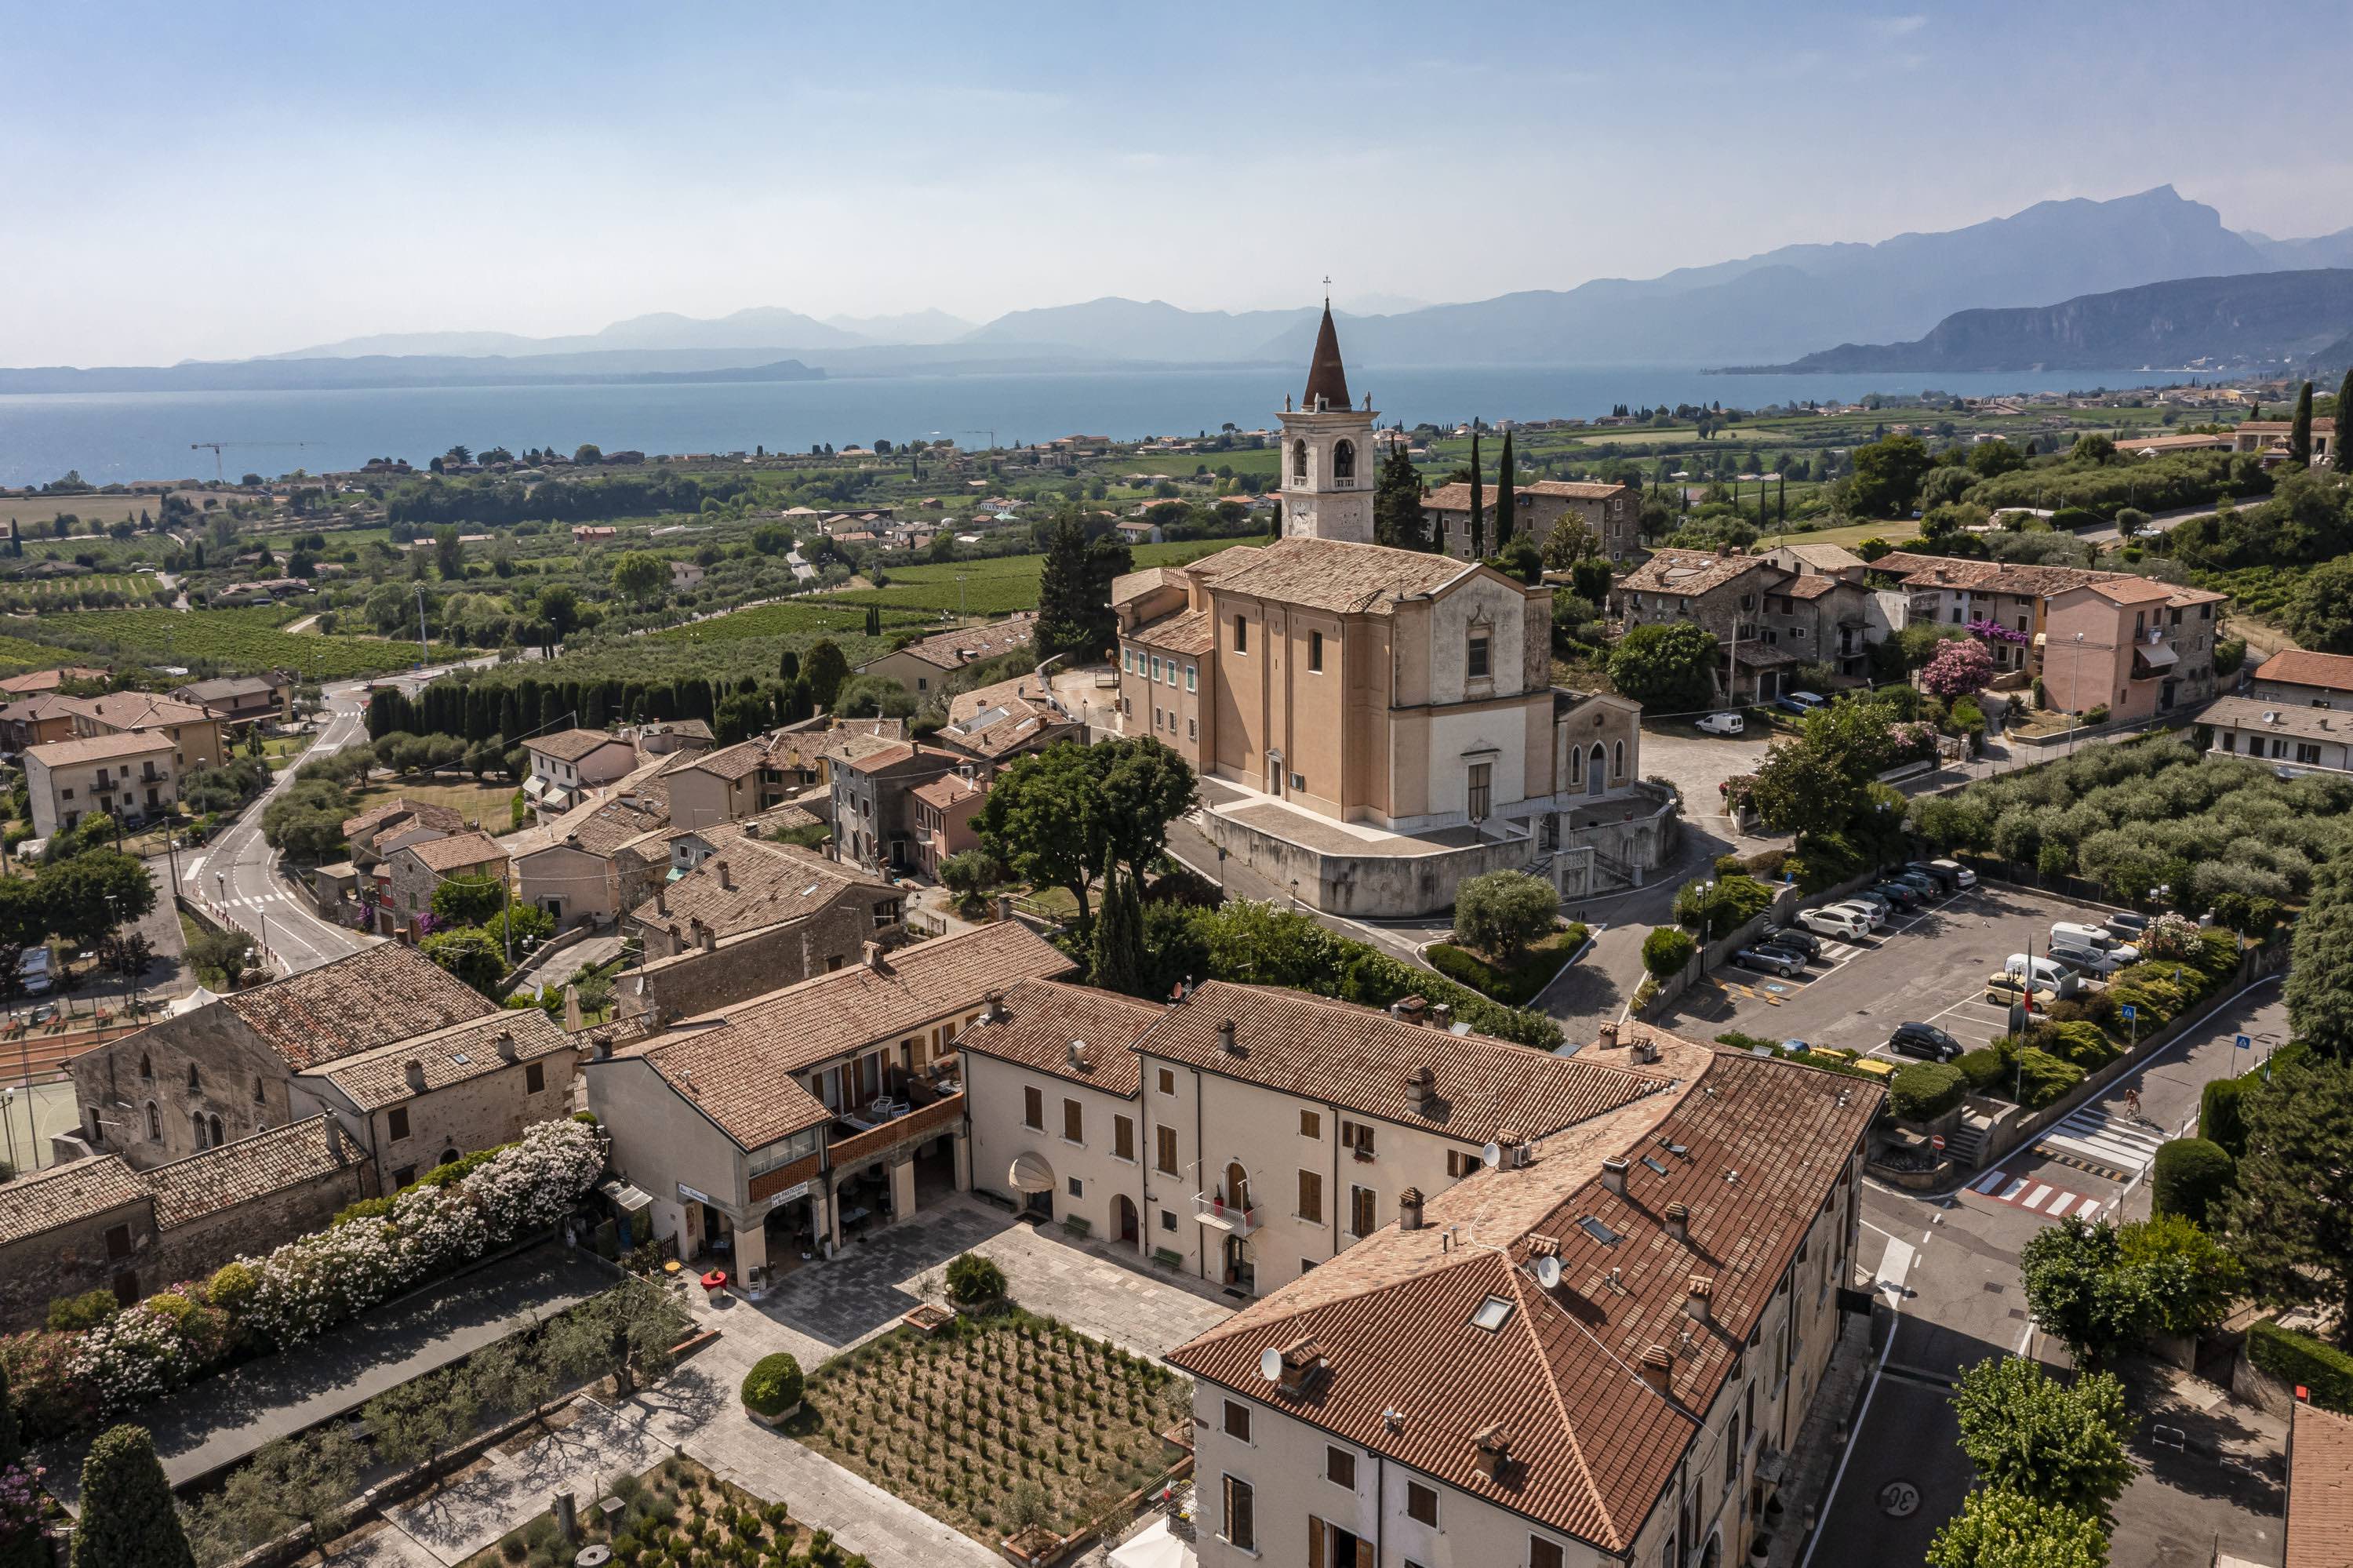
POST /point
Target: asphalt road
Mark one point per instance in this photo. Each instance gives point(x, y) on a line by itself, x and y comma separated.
point(1945, 1270)
point(238, 872)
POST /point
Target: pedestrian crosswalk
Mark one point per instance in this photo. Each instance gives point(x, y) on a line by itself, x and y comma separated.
point(2116, 1146)
point(2037, 1197)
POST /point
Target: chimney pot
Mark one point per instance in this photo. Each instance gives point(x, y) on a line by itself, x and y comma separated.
point(1699, 1298)
point(1421, 1086)
point(1679, 1222)
point(506, 1044)
point(1658, 1367)
point(1303, 1363)
point(719, 869)
point(1608, 1041)
point(1225, 1040)
point(874, 957)
point(1409, 1209)
point(1495, 1451)
point(414, 1071)
point(1613, 1174)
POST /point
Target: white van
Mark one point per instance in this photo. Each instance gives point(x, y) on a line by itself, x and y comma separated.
point(2055, 978)
point(2099, 938)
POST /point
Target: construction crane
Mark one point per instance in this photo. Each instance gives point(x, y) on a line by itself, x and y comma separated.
point(219, 476)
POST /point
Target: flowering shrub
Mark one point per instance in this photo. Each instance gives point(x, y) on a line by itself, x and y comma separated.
point(48, 1399)
point(1997, 630)
point(313, 1283)
point(20, 1507)
point(1912, 742)
point(1959, 668)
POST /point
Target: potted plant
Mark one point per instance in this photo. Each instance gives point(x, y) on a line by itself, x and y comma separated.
point(772, 1389)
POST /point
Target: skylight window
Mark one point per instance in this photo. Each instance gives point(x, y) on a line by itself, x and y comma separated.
point(1492, 1314)
point(1654, 1165)
point(461, 1058)
point(1598, 1230)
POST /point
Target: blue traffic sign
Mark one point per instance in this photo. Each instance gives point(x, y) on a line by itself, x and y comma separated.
point(2129, 1012)
point(2243, 1042)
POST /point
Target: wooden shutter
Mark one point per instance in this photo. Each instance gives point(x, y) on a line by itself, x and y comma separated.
point(1314, 1541)
point(1364, 1553)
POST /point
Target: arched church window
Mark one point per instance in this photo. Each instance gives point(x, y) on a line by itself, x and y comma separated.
point(1344, 461)
point(1299, 459)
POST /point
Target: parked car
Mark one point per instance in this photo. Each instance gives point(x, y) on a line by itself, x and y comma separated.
point(1903, 895)
point(1925, 885)
point(1845, 922)
point(2127, 926)
point(2099, 938)
point(1719, 724)
point(1768, 945)
point(1800, 702)
point(2004, 990)
point(1942, 876)
point(1924, 1040)
point(1797, 939)
point(1772, 960)
point(1882, 910)
point(33, 974)
point(1963, 876)
point(2055, 978)
point(2085, 960)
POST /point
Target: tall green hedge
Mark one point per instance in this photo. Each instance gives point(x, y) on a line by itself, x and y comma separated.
point(2299, 1360)
point(2222, 1116)
point(1925, 1090)
point(2188, 1177)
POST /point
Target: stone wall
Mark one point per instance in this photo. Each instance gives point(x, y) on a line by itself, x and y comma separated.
point(71, 1259)
point(739, 968)
point(195, 1249)
point(238, 1079)
point(1372, 885)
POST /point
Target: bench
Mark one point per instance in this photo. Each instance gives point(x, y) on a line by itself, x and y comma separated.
point(1168, 1258)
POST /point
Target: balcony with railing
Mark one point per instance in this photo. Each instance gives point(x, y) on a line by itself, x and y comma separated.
point(1211, 1209)
point(884, 1127)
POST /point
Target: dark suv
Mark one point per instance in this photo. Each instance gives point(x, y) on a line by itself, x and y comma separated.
point(1924, 1040)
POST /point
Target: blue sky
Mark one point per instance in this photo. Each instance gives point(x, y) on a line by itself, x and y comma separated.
point(238, 178)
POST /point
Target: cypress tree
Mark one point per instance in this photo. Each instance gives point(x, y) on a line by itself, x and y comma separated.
point(2299, 430)
point(1396, 504)
point(1119, 935)
point(1506, 503)
point(128, 1517)
point(1478, 501)
point(2340, 456)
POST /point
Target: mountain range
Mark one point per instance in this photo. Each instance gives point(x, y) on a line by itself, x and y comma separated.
point(2276, 318)
point(1774, 306)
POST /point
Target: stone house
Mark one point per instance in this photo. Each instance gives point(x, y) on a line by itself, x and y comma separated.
point(569, 764)
point(407, 877)
point(1599, 1351)
point(1612, 511)
point(1764, 617)
point(993, 725)
point(101, 1224)
point(773, 1130)
point(226, 1070)
point(36, 720)
point(1252, 1133)
point(924, 665)
point(750, 917)
point(395, 819)
point(609, 858)
point(128, 777)
point(873, 824)
point(425, 1099)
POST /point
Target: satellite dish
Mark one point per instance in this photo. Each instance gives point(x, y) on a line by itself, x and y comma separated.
point(1547, 1272)
point(1269, 1364)
point(1491, 1156)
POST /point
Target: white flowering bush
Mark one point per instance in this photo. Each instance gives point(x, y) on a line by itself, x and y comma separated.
point(317, 1281)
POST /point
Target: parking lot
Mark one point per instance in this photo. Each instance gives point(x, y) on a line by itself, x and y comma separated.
point(1927, 967)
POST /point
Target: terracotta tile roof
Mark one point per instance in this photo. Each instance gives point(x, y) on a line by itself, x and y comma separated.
point(473, 1049)
point(737, 1069)
point(138, 710)
point(769, 883)
point(228, 688)
point(1824, 557)
point(388, 993)
point(2132, 590)
point(949, 648)
point(41, 706)
point(1577, 488)
point(456, 852)
point(2322, 425)
point(616, 825)
point(1039, 1019)
point(2319, 1486)
point(250, 1168)
point(995, 721)
point(950, 791)
point(1811, 587)
point(445, 817)
point(1327, 574)
point(97, 748)
point(1361, 1058)
point(1456, 496)
point(78, 1189)
point(571, 745)
point(1592, 1447)
point(1187, 632)
point(2294, 719)
point(2302, 667)
point(1692, 573)
point(731, 762)
point(50, 680)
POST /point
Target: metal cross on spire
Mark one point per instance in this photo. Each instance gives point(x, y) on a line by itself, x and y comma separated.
point(1327, 290)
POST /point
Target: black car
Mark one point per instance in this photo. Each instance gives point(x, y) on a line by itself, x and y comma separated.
point(1797, 938)
point(1924, 1040)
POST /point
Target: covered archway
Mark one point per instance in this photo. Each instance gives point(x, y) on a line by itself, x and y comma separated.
point(1033, 1177)
point(1124, 1223)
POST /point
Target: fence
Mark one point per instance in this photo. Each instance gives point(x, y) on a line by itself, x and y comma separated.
point(205, 912)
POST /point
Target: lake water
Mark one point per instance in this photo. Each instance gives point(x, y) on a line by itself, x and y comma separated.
point(120, 436)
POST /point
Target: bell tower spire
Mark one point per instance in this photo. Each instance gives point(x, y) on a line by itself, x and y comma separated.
point(1327, 450)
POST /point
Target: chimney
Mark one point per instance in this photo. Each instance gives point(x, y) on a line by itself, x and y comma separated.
point(661, 899)
point(413, 1070)
point(1646, 1049)
point(1004, 907)
point(1409, 1209)
point(992, 1007)
point(1699, 1293)
point(1079, 1054)
point(1608, 1041)
point(719, 869)
point(1421, 1086)
point(1679, 1222)
point(1303, 1362)
point(1495, 1451)
point(704, 937)
point(874, 957)
point(603, 1041)
point(1613, 1175)
point(506, 1045)
point(1657, 1368)
point(1409, 1009)
point(1225, 1040)
point(1441, 1015)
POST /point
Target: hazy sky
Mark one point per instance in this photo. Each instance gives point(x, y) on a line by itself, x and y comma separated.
point(218, 180)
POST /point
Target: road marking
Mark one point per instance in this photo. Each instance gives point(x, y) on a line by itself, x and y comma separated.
point(2038, 1198)
point(2034, 1199)
point(2111, 1145)
point(1894, 1264)
point(1888, 1234)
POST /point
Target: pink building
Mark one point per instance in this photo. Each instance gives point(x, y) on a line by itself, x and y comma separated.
point(2135, 646)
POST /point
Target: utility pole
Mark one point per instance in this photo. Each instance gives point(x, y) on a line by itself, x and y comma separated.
point(424, 648)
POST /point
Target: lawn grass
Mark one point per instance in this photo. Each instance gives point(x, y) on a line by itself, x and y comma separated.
point(483, 805)
point(1517, 984)
point(1002, 585)
point(967, 1424)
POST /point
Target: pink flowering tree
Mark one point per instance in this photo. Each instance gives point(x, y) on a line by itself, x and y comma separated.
point(1960, 668)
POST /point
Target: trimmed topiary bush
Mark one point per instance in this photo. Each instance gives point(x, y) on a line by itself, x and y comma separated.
point(773, 1387)
point(1666, 952)
point(1984, 1068)
point(128, 1519)
point(2221, 1115)
point(2044, 1078)
point(1925, 1090)
point(2189, 1175)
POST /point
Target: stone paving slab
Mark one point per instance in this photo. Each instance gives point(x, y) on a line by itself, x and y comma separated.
point(583, 1458)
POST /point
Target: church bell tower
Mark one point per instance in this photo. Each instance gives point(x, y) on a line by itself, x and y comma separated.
point(1327, 453)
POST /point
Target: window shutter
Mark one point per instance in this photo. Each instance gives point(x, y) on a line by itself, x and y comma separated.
point(1364, 1553)
point(1314, 1541)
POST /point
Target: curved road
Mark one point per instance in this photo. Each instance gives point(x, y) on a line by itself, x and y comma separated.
point(238, 872)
